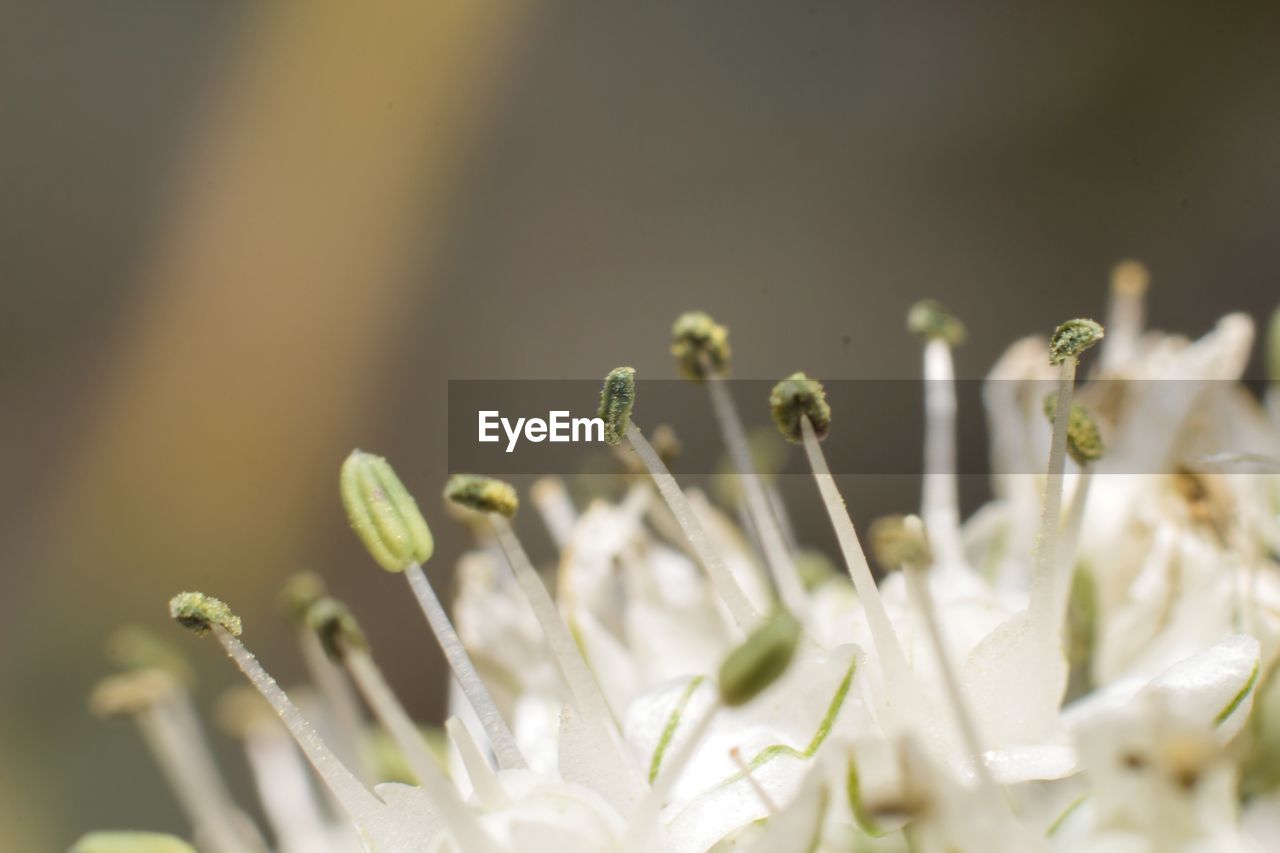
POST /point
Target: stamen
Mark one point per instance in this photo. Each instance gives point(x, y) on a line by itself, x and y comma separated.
point(400, 542)
point(551, 499)
point(345, 642)
point(203, 614)
point(483, 780)
point(1125, 313)
point(940, 504)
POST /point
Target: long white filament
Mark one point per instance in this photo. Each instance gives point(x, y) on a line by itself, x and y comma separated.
point(1068, 548)
point(940, 506)
point(364, 807)
point(740, 607)
point(583, 687)
point(500, 737)
point(781, 565)
point(457, 818)
point(484, 782)
point(284, 788)
point(893, 663)
point(551, 499)
point(1042, 600)
point(340, 701)
point(190, 772)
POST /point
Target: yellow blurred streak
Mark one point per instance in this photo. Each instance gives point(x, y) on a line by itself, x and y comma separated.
point(325, 163)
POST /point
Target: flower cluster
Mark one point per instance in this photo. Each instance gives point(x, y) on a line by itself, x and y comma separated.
point(1085, 664)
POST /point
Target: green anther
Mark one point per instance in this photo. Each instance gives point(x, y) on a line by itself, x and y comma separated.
point(899, 540)
point(1072, 338)
point(130, 842)
point(798, 396)
point(760, 660)
point(1273, 346)
point(336, 627)
point(700, 344)
point(1084, 441)
point(299, 592)
point(929, 320)
point(201, 613)
point(483, 494)
point(383, 513)
point(616, 401)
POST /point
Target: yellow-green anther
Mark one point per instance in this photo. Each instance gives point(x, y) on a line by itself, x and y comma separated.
point(131, 692)
point(1273, 346)
point(929, 320)
point(383, 513)
point(1130, 278)
point(483, 494)
point(897, 541)
point(200, 613)
point(242, 710)
point(616, 400)
point(130, 842)
point(699, 344)
point(797, 396)
point(136, 648)
point(1084, 440)
point(760, 660)
point(299, 592)
point(336, 627)
point(1072, 338)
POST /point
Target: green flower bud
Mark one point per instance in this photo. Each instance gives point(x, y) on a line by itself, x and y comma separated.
point(616, 400)
point(336, 627)
point(130, 842)
point(1084, 440)
point(201, 613)
point(483, 494)
point(1072, 338)
point(383, 513)
point(760, 660)
point(929, 320)
point(699, 343)
point(795, 396)
point(899, 540)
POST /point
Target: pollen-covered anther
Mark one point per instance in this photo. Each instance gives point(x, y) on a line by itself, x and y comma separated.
point(700, 345)
point(799, 396)
point(336, 627)
point(383, 513)
point(929, 320)
point(201, 613)
point(1130, 278)
point(899, 540)
point(1072, 338)
point(299, 592)
point(761, 659)
point(616, 401)
point(482, 494)
point(1084, 439)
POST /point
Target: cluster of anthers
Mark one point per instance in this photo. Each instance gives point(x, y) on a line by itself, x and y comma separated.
point(1086, 664)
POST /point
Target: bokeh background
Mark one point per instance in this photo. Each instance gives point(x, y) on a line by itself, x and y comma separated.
point(238, 239)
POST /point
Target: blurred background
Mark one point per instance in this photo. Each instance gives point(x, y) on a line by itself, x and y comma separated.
point(239, 239)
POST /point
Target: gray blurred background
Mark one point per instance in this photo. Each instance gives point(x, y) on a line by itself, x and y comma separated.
point(237, 240)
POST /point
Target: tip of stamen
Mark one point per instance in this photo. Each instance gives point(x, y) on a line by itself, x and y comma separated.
point(929, 320)
point(242, 710)
point(1072, 338)
point(899, 540)
point(336, 627)
point(483, 494)
point(1130, 278)
point(134, 647)
point(1084, 439)
point(799, 396)
point(383, 513)
point(299, 592)
point(616, 401)
point(200, 613)
point(131, 692)
point(700, 345)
